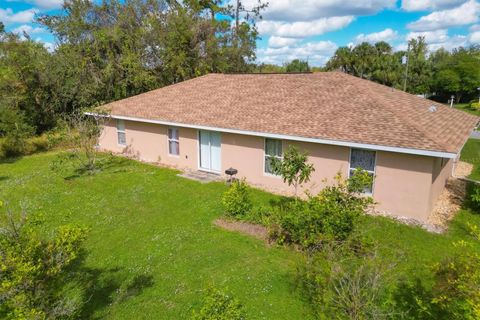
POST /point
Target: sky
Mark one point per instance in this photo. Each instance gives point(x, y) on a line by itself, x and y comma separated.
point(313, 29)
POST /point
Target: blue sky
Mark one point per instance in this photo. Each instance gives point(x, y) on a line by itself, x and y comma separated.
point(314, 29)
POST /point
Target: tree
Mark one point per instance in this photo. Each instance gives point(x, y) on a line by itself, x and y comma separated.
point(342, 60)
point(23, 80)
point(36, 272)
point(419, 68)
point(297, 65)
point(293, 167)
point(83, 134)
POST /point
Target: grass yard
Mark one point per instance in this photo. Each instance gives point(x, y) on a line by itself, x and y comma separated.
point(153, 250)
point(471, 154)
point(466, 107)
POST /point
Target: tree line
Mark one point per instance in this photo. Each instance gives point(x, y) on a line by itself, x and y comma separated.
point(438, 74)
point(116, 49)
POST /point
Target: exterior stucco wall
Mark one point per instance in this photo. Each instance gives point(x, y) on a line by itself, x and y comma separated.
point(442, 170)
point(148, 142)
point(246, 154)
point(405, 185)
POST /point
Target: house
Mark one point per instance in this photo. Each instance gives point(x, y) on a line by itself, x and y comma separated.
point(217, 121)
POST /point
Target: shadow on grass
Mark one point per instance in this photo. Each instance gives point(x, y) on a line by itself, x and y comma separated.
point(3, 178)
point(108, 163)
point(106, 287)
point(10, 159)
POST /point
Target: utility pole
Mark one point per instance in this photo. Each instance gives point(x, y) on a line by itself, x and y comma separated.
point(237, 18)
point(406, 68)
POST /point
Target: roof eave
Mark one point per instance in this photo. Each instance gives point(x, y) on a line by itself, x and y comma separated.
point(422, 152)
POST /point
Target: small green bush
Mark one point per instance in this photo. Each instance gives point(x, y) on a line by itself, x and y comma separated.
point(475, 197)
point(37, 144)
point(236, 200)
point(475, 105)
point(331, 215)
point(341, 283)
point(219, 306)
point(457, 285)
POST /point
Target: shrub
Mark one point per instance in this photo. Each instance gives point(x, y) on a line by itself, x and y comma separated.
point(475, 105)
point(38, 144)
point(259, 214)
point(15, 131)
point(236, 200)
point(219, 306)
point(475, 197)
point(331, 215)
point(456, 292)
point(37, 276)
point(340, 283)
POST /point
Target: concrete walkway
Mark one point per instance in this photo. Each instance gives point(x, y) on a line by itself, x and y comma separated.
point(201, 176)
point(475, 135)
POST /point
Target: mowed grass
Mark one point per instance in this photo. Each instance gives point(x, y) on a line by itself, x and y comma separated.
point(153, 249)
point(466, 107)
point(471, 154)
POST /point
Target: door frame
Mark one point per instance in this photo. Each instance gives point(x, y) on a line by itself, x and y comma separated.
point(199, 162)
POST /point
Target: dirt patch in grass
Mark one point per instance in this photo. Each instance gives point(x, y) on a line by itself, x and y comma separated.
point(254, 230)
point(463, 169)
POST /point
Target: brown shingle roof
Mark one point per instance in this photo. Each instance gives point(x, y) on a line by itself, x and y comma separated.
point(324, 105)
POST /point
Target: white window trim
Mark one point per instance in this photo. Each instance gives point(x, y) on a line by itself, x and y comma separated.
point(265, 155)
point(121, 131)
point(374, 172)
point(173, 140)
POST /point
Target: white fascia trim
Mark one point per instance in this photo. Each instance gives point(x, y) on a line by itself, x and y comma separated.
point(374, 147)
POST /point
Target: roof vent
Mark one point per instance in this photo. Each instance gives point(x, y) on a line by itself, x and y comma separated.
point(432, 109)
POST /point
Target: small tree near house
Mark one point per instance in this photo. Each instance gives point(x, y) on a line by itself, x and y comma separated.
point(293, 168)
point(83, 133)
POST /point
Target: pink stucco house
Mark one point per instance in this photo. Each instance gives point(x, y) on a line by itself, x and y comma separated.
point(214, 122)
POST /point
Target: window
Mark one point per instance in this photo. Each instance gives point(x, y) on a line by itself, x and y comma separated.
point(173, 143)
point(363, 159)
point(121, 138)
point(273, 149)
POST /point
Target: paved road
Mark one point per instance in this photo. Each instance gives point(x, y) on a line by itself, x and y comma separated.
point(475, 135)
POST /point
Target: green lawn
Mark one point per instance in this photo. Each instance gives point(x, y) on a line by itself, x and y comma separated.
point(465, 107)
point(471, 154)
point(152, 247)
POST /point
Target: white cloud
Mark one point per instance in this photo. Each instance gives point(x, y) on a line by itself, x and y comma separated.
point(47, 4)
point(7, 16)
point(430, 36)
point(302, 29)
point(28, 29)
point(475, 27)
point(385, 35)
point(306, 10)
point(465, 14)
point(49, 46)
point(439, 39)
point(276, 42)
point(474, 37)
point(420, 5)
point(317, 53)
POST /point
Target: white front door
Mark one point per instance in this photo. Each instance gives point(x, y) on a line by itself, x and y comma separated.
point(210, 150)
